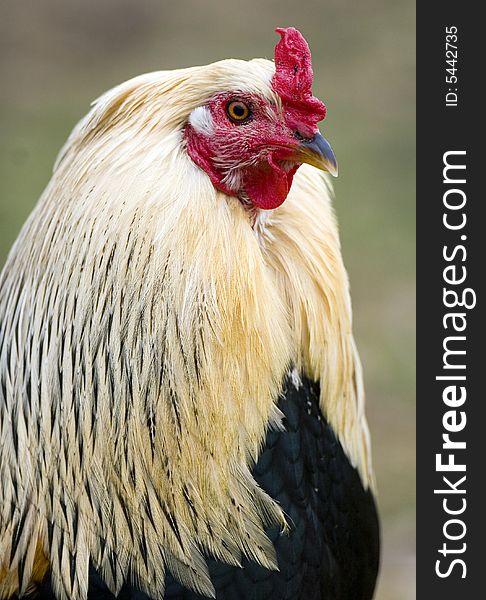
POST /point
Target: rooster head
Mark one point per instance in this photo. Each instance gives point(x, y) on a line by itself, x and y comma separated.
point(249, 144)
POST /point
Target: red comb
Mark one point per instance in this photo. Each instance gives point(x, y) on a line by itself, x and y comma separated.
point(293, 82)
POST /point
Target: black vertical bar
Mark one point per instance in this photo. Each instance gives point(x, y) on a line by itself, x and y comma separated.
point(444, 128)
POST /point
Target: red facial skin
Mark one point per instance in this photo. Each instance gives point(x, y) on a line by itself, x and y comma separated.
point(255, 160)
point(246, 159)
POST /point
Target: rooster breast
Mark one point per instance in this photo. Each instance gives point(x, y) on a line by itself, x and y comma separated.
point(331, 551)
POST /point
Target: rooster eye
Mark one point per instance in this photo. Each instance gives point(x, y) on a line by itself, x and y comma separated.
point(238, 111)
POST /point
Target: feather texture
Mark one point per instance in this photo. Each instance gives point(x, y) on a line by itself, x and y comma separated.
point(145, 330)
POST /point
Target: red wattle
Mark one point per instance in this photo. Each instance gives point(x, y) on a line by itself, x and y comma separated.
point(267, 185)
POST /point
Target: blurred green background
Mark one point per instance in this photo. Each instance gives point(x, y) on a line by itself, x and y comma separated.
point(56, 56)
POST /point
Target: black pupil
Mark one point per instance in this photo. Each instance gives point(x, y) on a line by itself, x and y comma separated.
point(239, 110)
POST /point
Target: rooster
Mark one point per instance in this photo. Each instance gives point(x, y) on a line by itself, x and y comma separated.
point(181, 400)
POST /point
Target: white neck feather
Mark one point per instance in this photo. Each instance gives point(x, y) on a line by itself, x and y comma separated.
point(147, 329)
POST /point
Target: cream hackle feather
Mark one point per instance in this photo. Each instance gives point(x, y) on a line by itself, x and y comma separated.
point(146, 326)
